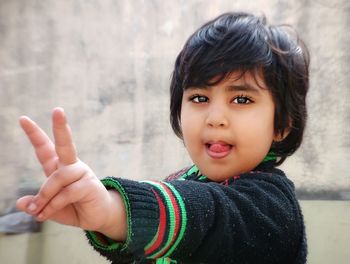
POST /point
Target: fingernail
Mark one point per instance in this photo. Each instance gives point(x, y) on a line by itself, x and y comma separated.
point(32, 207)
point(40, 216)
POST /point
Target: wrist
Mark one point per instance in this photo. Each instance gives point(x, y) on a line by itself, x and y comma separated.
point(115, 226)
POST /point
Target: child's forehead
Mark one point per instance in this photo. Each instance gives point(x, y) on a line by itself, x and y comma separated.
point(252, 80)
point(254, 77)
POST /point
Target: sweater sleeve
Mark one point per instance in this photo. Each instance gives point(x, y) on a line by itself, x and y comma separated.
point(255, 217)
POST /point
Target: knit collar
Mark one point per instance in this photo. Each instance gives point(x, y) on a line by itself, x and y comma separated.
point(194, 173)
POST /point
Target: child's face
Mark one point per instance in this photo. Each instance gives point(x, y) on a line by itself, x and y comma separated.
point(228, 128)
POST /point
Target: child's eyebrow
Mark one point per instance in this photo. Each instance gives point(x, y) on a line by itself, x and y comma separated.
point(231, 88)
point(244, 88)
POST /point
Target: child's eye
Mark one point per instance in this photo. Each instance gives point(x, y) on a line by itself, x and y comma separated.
point(199, 99)
point(242, 100)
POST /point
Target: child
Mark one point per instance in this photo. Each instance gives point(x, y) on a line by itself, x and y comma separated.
point(238, 102)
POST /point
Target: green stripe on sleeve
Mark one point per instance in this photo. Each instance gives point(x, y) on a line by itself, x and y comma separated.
point(171, 212)
point(183, 219)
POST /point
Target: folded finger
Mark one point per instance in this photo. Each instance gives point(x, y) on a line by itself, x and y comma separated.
point(67, 196)
point(54, 184)
point(22, 203)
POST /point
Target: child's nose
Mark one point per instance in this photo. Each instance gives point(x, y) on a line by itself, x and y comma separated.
point(217, 117)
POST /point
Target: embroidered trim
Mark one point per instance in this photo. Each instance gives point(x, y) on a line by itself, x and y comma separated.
point(188, 173)
point(270, 156)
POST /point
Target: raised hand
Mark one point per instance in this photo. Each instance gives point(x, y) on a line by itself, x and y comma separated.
point(71, 193)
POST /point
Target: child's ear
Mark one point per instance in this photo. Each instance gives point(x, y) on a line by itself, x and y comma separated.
point(279, 136)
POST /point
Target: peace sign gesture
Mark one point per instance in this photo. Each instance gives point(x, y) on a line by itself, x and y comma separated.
point(71, 193)
point(51, 155)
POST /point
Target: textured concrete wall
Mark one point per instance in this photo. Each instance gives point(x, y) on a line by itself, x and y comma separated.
point(108, 63)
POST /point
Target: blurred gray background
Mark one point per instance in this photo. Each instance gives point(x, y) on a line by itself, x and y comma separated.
point(108, 63)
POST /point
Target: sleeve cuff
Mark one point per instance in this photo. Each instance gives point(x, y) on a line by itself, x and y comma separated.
point(101, 241)
point(142, 218)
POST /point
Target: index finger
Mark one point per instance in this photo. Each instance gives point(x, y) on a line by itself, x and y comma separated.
point(44, 148)
point(64, 145)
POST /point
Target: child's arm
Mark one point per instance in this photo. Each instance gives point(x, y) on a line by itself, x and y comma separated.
point(255, 217)
point(71, 194)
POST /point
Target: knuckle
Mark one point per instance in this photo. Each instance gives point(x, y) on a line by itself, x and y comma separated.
point(56, 203)
point(90, 180)
point(44, 194)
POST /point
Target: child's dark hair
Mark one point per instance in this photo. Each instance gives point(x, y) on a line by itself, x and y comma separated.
point(242, 42)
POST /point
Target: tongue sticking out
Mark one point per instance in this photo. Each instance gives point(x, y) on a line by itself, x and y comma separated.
point(219, 147)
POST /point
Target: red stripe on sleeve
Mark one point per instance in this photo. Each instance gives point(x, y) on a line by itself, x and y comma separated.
point(177, 219)
point(162, 225)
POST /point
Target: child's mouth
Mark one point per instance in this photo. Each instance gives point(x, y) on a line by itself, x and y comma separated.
point(218, 150)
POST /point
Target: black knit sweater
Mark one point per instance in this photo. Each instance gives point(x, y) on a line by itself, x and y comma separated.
point(251, 218)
